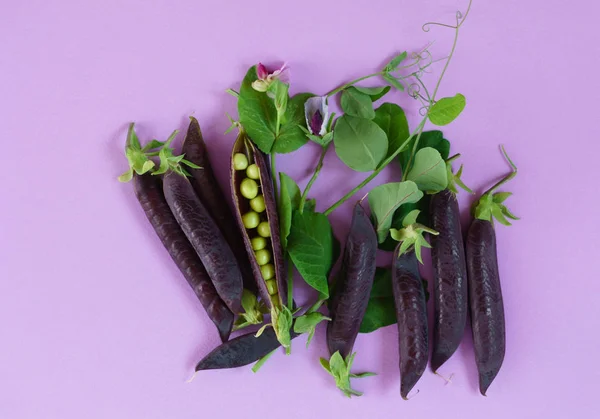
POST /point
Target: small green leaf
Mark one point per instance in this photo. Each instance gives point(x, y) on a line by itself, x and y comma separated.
point(279, 90)
point(360, 143)
point(376, 93)
point(393, 81)
point(507, 212)
point(499, 215)
point(429, 170)
point(288, 202)
point(356, 103)
point(308, 323)
point(153, 144)
point(392, 120)
point(385, 199)
point(291, 137)
point(310, 245)
point(447, 109)
point(282, 323)
point(261, 330)
point(339, 369)
point(395, 62)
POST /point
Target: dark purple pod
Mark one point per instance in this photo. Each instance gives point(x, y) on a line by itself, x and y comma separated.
point(485, 298)
point(353, 286)
point(206, 186)
point(411, 312)
point(240, 351)
point(449, 277)
point(148, 190)
point(272, 288)
point(206, 238)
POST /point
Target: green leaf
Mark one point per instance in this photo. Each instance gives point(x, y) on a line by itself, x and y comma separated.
point(325, 364)
point(258, 116)
point(132, 138)
point(153, 144)
point(288, 202)
point(499, 215)
point(359, 143)
point(310, 205)
point(429, 170)
point(385, 199)
point(434, 139)
point(447, 109)
point(381, 310)
point(376, 93)
point(395, 62)
point(356, 103)
point(291, 137)
point(310, 245)
point(392, 120)
point(393, 81)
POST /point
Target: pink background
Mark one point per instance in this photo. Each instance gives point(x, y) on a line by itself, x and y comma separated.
point(95, 320)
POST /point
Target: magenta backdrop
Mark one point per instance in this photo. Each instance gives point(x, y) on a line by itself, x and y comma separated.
point(96, 322)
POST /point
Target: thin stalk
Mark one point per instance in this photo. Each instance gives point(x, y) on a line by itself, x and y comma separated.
point(508, 177)
point(313, 178)
point(262, 361)
point(345, 86)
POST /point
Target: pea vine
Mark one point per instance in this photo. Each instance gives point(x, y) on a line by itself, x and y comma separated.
point(366, 139)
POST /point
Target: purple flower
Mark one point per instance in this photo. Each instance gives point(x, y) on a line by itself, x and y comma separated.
point(317, 114)
point(265, 78)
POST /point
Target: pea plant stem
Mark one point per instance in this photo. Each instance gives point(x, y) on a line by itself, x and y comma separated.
point(387, 161)
point(313, 178)
point(353, 82)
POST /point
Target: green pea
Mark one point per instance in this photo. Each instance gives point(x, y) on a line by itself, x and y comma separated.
point(250, 219)
point(263, 256)
point(252, 172)
point(264, 230)
point(258, 203)
point(272, 286)
point(258, 243)
point(267, 271)
point(249, 188)
point(275, 299)
point(240, 161)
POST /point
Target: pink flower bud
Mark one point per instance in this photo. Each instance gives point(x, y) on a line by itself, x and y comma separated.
point(261, 71)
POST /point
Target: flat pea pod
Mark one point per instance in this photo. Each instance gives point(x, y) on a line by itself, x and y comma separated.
point(206, 238)
point(350, 296)
point(411, 313)
point(267, 228)
point(485, 300)
point(240, 351)
point(449, 277)
point(148, 190)
point(206, 186)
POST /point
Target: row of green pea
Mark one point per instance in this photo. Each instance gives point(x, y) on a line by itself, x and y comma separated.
point(257, 218)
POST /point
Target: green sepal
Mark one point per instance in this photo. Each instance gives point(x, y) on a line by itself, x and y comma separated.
point(253, 311)
point(171, 162)
point(339, 369)
point(137, 158)
point(282, 319)
point(411, 235)
point(307, 323)
point(454, 180)
point(490, 206)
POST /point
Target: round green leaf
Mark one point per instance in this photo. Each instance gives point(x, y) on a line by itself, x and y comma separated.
point(356, 103)
point(360, 143)
point(429, 170)
point(447, 109)
point(392, 120)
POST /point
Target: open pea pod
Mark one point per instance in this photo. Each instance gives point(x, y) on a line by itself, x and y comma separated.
point(256, 214)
